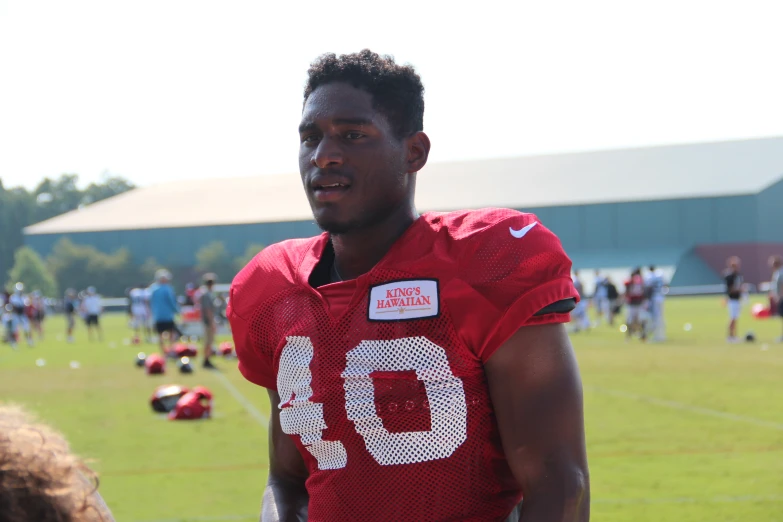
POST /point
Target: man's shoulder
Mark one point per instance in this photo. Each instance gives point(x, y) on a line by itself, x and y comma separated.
point(272, 269)
point(480, 223)
point(495, 238)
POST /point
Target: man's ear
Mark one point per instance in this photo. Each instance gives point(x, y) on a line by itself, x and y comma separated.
point(418, 151)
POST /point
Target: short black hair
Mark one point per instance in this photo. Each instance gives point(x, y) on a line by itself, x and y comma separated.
point(396, 90)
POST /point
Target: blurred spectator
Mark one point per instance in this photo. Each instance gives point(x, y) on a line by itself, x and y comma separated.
point(92, 309)
point(613, 298)
point(40, 479)
point(190, 294)
point(70, 305)
point(19, 318)
point(733, 280)
point(163, 304)
point(600, 301)
point(37, 312)
point(139, 309)
point(635, 298)
point(7, 324)
point(579, 315)
point(206, 302)
point(655, 288)
point(776, 287)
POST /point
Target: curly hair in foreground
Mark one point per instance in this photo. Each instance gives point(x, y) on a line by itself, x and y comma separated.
point(40, 479)
point(396, 90)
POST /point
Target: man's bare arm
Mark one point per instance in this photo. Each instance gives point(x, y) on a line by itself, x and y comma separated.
point(285, 496)
point(537, 396)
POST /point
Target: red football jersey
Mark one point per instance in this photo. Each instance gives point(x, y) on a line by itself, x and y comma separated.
point(634, 290)
point(381, 378)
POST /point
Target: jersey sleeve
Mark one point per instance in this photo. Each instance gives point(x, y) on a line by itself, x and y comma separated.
point(253, 365)
point(250, 293)
point(510, 270)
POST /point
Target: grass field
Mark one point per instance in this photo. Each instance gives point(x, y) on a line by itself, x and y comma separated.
point(686, 431)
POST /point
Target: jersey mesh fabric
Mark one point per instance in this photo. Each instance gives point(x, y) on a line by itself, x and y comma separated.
point(393, 418)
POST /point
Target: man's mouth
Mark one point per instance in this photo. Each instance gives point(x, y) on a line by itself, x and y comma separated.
point(328, 192)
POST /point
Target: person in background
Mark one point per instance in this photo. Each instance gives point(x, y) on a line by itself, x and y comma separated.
point(5, 318)
point(140, 313)
point(206, 302)
point(613, 301)
point(70, 305)
point(40, 479)
point(163, 305)
point(92, 309)
point(733, 280)
point(635, 298)
point(655, 284)
point(7, 325)
point(600, 301)
point(579, 314)
point(776, 287)
point(20, 320)
point(37, 312)
point(190, 295)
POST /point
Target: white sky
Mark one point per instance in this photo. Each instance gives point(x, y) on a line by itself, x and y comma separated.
point(158, 90)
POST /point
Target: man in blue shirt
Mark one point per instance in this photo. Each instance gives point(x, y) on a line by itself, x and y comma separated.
point(163, 304)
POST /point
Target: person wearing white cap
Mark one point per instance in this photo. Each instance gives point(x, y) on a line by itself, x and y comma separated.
point(92, 308)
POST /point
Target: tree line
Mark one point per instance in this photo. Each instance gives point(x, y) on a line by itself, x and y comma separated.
point(20, 207)
point(72, 265)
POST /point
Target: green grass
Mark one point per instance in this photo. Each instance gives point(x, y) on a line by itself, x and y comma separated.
point(687, 431)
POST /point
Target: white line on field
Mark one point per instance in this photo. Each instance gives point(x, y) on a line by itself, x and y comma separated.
point(687, 407)
point(689, 500)
point(252, 410)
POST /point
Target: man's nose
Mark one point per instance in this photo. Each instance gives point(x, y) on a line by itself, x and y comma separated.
point(328, 154)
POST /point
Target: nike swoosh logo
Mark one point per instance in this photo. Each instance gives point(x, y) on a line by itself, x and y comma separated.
point(522, 231)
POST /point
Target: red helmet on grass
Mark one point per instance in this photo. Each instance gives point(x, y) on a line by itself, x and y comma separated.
point(164, 398)
point(155, 364)
point(193, 405)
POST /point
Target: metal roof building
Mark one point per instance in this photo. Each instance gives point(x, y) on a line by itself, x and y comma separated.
point(684, 206)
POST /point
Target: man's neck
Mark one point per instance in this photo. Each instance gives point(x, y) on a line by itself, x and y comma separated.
point(357, 252)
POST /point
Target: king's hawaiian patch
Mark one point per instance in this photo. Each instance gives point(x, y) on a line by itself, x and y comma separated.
point(404, 300)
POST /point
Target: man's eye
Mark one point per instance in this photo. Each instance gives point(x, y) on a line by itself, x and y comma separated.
point(310, 138)
point(354, 135)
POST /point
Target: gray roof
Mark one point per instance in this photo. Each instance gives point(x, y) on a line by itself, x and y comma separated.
point(650, 173)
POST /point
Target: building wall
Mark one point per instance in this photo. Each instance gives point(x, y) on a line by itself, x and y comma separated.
point(605, 235)
point(178, 246)
point(770, 214)
point(659, 232)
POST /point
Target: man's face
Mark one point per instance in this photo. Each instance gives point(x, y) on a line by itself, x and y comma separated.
point(353, 168)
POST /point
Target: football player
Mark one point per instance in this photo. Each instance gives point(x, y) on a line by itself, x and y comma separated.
point(140, 313)
point(733, 279)
point(19, 303)
point(92, 308)
point(656, 285)
point(70, 305)
point(636, 299)
point(417, 365)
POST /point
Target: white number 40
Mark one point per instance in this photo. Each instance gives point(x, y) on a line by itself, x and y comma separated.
point(445, 394)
